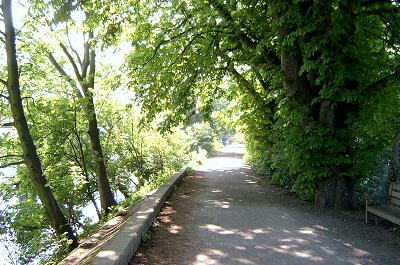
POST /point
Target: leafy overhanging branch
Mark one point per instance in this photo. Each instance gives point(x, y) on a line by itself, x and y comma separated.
point(240, 32)
point(165, 41)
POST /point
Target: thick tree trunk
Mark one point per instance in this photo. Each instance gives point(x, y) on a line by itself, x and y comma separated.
point(31, 158)
point(335, 192)
point(297, 86)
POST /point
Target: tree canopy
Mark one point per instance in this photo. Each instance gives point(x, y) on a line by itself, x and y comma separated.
point(317, 81)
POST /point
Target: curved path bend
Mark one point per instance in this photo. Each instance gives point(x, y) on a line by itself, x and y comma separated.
point(222, 214)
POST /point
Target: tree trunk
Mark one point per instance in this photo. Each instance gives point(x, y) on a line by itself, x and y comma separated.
point(31, 158)
point(85, 172)
point(335, 192)
point(396, 159)
point(296, 85)
point(86, 82)
point(106, 196)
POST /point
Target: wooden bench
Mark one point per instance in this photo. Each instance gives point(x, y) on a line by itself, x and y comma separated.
point(390, 210)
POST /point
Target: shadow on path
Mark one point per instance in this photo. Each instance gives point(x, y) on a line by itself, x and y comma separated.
point(222, 214)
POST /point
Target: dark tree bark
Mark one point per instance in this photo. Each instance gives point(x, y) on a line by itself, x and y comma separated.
point(31, 157)
point(297, 85)
point(335, 192)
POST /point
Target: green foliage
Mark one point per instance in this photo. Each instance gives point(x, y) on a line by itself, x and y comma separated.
point(202, 137)
point(312, 85)
point(314, 81)
point(306, 150)
point(139, 158)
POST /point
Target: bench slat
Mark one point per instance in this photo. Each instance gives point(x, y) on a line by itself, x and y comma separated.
point(395, 201)
point(395, 186)
point(389, 213)
point(395, 194)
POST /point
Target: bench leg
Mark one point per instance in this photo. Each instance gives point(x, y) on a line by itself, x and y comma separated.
point(366, 216)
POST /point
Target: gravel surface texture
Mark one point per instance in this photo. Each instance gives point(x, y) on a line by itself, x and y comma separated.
point(223, 214)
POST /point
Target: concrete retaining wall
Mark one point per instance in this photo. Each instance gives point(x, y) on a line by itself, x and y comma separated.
point(121, 248)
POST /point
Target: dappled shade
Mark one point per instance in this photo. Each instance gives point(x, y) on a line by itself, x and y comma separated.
point(223, 214)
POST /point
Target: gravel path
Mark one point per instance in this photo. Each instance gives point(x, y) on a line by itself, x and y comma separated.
point(222, 214)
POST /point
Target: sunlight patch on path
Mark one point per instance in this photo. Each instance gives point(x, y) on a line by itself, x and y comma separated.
point(231, 159)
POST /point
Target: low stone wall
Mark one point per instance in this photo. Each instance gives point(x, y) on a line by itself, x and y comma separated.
point(124, 243)
point(117, 240)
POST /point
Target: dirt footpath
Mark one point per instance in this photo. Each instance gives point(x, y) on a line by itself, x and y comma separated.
point(222, 214)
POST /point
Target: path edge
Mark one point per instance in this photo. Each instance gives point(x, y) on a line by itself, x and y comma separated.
point(122, 247)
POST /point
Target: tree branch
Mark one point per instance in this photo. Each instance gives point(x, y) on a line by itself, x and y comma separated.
point(3, 36)
point(71, 81)
point(92, 60)
point(261, 80)
point(86, 49)
point(244, 83)
point(86, 62)
point(71, 60)
point(4, 96)
point(165, 41)
point(72, 48)
point(225, 13)
point(222, 10)
point(12, 164)
point(180, 55)
point(244, 38)
point(8, 156)
point(7, 124)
